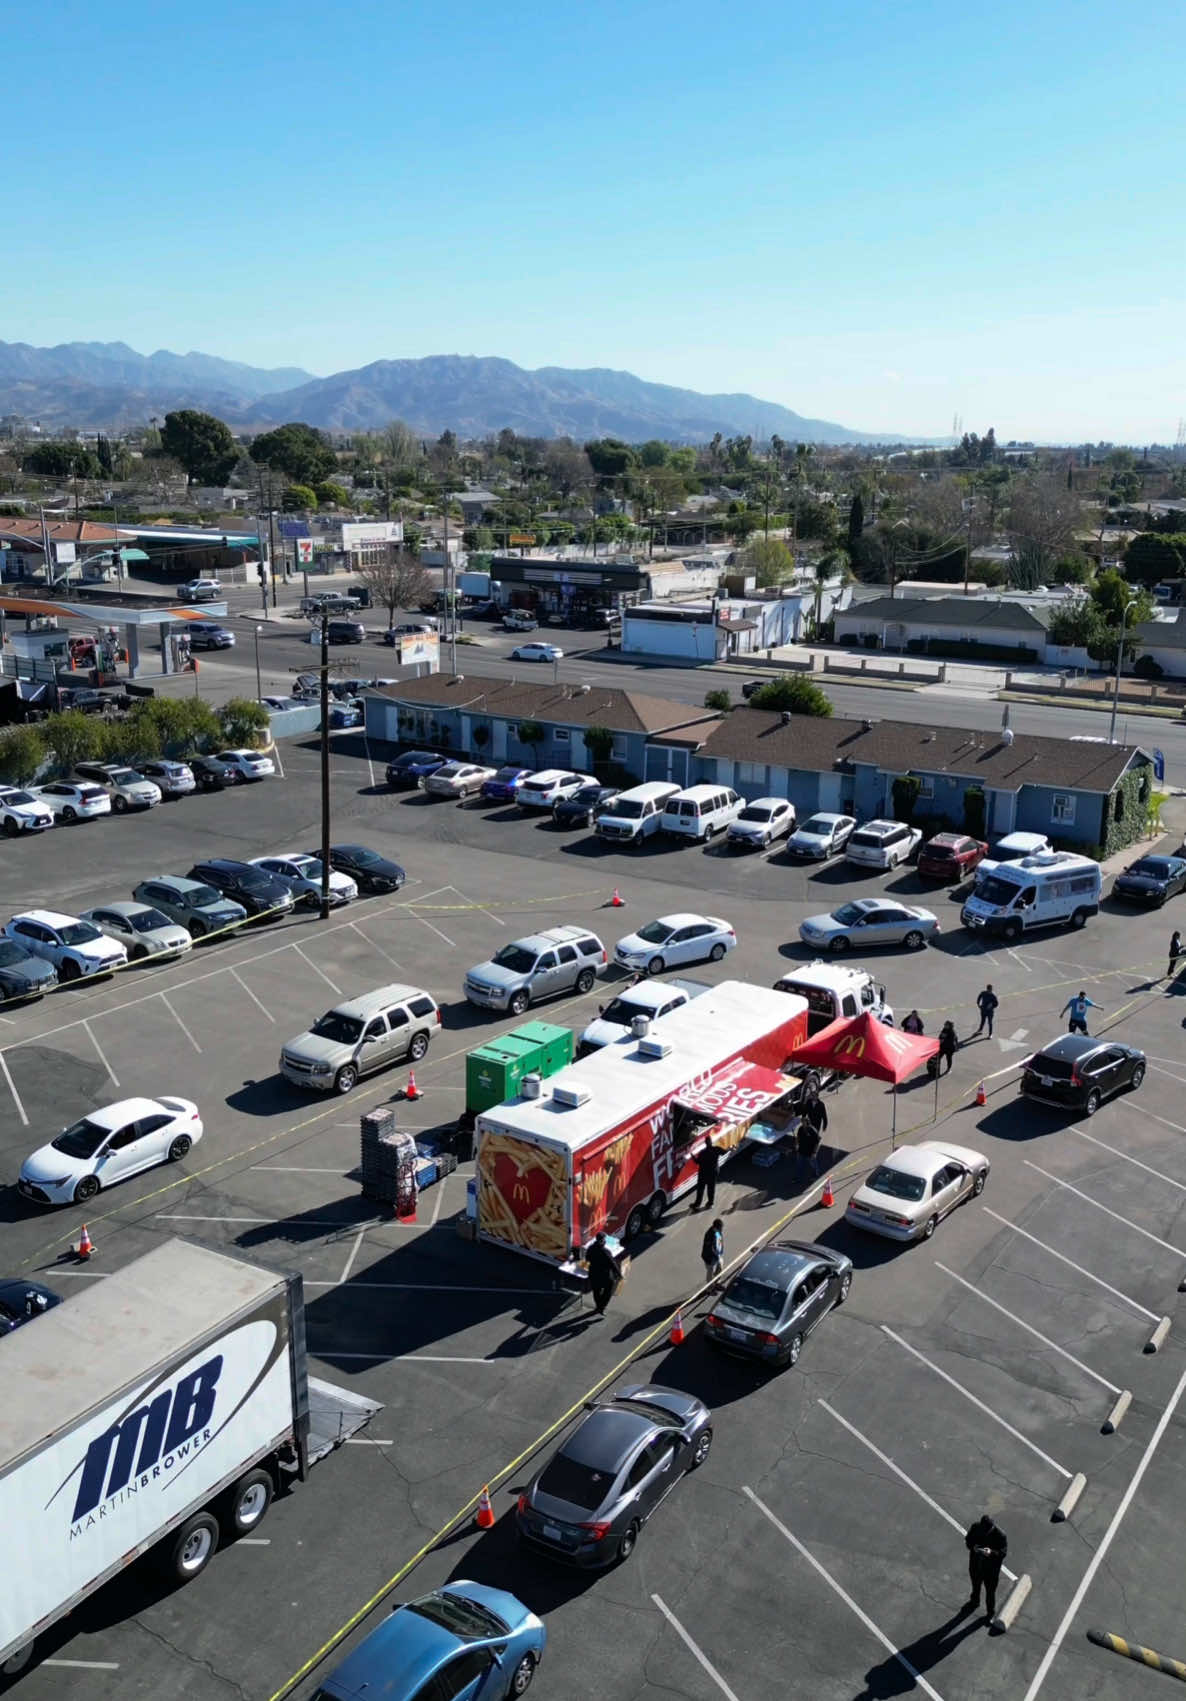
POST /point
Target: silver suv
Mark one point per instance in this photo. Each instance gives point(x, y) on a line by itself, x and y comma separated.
point(543, 965)
point(362, 1035)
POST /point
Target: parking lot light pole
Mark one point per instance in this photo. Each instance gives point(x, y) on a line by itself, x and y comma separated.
point(324, 764)
point(1131, 603)
point(259, 690)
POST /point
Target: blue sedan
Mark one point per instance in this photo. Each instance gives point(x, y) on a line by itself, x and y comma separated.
point(465, 1641)
point(503, 786)
point(406, 772)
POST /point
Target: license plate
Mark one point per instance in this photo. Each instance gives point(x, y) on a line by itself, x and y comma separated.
point(737, 1334)
point(552, 1533)
point(1045, 1081)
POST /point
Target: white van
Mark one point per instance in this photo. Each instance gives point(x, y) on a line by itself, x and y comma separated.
point(701, 811)
point(636, 814)
point(1039, 891)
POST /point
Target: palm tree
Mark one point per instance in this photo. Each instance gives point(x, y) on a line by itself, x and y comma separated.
point(832, 564)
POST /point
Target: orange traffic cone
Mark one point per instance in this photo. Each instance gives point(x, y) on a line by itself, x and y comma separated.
point(85, 1244)
point(981, 1095)
point(677, 1330)
point(484, 1517)
point(827, 1197)
point(412, 1091)
point(617, 902)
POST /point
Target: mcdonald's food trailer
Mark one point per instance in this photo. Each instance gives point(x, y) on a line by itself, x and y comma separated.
point(610, 1142)
point(156, 1409)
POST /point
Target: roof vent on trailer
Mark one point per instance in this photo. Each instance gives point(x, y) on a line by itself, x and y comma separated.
point(571, 1098)
point(654, 1048)
point(640, 1026)
point(529, 1086)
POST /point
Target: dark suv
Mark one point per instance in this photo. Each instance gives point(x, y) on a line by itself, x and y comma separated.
point(346, 632)
point(260, 893)
point(1077, 1072)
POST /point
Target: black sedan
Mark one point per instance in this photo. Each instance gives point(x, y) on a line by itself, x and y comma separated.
point(21, 1301)
point(776, 1300)
point(589, 1502)
point(370, 871)
point(1076, 1072)
point(211, 774)
point(22, 975)
point(406, 771)
point(584, 806)
point(260, 893)
point(1151, 879)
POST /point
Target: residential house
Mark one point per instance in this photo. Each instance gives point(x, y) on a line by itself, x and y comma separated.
point(78, 549)
point(946, 625)
point(1163, 641)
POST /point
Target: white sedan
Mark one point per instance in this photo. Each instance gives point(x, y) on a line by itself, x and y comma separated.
point(108, 1146)
point(675, 939)
point(907, 1196)
point(760, 823)
point(74, 800)
point(248, 764)
point(141, 929)
point(302, 875)
point(537, 651)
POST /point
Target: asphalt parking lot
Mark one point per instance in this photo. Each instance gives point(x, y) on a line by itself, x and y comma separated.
point(819, 1552)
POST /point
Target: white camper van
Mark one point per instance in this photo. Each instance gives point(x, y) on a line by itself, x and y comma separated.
point(1054, 887)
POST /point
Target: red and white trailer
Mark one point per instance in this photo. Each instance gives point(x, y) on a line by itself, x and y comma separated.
point(608, 1143)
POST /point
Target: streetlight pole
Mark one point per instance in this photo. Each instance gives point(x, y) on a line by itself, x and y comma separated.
point(259, 690)
point(1131, 603)
point(325, 764)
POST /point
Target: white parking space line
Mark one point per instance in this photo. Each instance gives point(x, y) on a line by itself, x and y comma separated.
point(496, 919)
point(1165, 1122)
point(84, 1665)
point(844, 1596)
point(253, 1541)
point(164, 998)
point(367, 1441)
point(235, 975)
point(902, 1477)
point(281, 1222)
point(1115, 1215)
point(979, 1404)
point(696, 1652)
point(304, 956)
point(1078, 1268)
point(90, 1032)
point(16, 1097)
point(436, 930)
point(367, 940)
point(440, 1192)
point(1018, 959)
point(302, 1169)
point(1081, 1134)
point(1101, 1552)
point(1030, 1330)
point(354, 1251)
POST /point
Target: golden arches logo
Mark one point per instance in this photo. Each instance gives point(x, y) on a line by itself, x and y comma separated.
point(521, 1194)
point(852, 1045)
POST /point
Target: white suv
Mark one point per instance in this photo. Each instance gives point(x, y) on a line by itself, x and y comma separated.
point(883, 844)
point(549, 786)
point(75, 947)
point(21, 812)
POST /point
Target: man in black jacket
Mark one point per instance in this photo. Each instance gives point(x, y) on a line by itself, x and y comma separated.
point(987, 1547)
point(604, 1274)
point(708, 1161)
point(812, 1130)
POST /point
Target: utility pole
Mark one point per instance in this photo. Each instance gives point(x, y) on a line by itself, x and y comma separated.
point(272, 542)
point(324, 764)
point(450, 591)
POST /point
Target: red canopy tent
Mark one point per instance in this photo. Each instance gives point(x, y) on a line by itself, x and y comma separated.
point(861, 1045)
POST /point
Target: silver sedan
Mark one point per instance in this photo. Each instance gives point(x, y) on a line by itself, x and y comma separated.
point(145, 931)
point(909, 1194)
point(870, 921)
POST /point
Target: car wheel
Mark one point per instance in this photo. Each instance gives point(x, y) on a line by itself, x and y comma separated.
point(119, 804)
point(585, 980)
point(1138, 1075)
point(635, 1223)
point(978, 1184)
point(138, 953)
point(86, 1189)
point(627, 1541)
point(418, 1047)
point(191, 1548)
point(1079, 919)
point(928, 1231)
point(701, 1450)
point(717, 952)
point(791, 1356)
point(179, 1148)
point(522, 1675)
point(10, 827)
point(198, 929)
point(346, 1079)
point(70, 969)
point(246, 1504)
point(845, 1288)
point(69, 813)
point(518, 1003)
point(1092, 1102)
point(914, 940)
point(656, 966)
point(839, 945)
point(1011, 932)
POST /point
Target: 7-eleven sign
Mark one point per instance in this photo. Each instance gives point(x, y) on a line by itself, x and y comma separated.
point(304, 551)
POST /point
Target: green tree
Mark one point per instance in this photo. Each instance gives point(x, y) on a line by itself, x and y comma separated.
point(610, 457)
point(599, 742)
point(856, 519)
point(299, 497)
point(203, 445)
point(129, 740)
point(62, 460)
point(768, 560)
point(72, 737)
point(22, 751)
point(331, 495)
point(198, 727)
point(533, 734)
point(1153, 556)
point(297, 451)
point(719, 700)
point(653, 453)
point(244, 722)
point(795, 693)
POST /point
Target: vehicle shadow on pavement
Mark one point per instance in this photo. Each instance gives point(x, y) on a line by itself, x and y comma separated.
point(867, 1251)
point(498, 1560)
point(1015, 1121)
point(715, 1377)
point(891, 1677)
point(273, 1096)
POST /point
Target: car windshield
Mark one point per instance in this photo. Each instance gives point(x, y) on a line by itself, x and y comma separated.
point(655, 932)
point(621, 1012)
point(896, 1183)
point(125, 776)
point(305, 868)
point(587, 794)
point(748, 1295)
point(11, 953)
point(464, 1618)
point(568, 1479)
point(200, 897)
point(360, 855)
point(819, 825)
point(1158, 867)
point(848, 914)
point(515, 958)
point(79, 933)
point(343, 1030)
point(81, 1139)
point(996, 891)
point(630, 809)
point(17, 797)
point(752, 813)
point(414, 757)
point(508, 773)
point(143, 921)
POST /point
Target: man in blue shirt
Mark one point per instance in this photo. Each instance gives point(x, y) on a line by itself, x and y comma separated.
point(1078, 1008)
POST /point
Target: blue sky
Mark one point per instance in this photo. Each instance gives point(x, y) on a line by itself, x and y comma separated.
point(880, 215)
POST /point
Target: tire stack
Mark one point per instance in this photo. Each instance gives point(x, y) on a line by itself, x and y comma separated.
point(388, 1161)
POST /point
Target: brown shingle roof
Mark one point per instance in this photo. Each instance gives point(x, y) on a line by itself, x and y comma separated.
point(815, 745)
point(60, 531)
point(563, 704)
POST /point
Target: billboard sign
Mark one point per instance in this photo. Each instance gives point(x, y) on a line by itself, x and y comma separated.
point(423, 648)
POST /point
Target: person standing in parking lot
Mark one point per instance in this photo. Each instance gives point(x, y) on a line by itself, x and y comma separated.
point(987, 1546)
point(815, 1124)
point(1077, 1009)
point(1175, 953)
point(947, 1044)
point(712, 1250)
point(912, 1024)
point(604, 1274)
point(708, 1161)
point(986, 1002)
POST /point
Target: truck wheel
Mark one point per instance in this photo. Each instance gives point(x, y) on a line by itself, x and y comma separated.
point(518, 1003)
point(418, 1047)
point(655, 1207)
point(17, 1661)
point(346, 1079)
point(189, 1550)
point(1079, 919)
point(585, 981)
point(246, 1504)
point(1011, 932)
point(635, 1223)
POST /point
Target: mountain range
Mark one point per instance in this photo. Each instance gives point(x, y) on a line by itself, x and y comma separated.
point(108, 386)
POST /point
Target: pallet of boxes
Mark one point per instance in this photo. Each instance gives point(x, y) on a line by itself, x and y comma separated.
point(398, 1166)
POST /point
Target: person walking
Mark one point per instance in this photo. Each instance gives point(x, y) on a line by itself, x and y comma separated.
point(1077, 1008)
point(604, 1273)
point(815, 1118)
point(987, 1546)
point(712, 1250)
point(708, 1162)
point(986, 1002)
point(809, 1145)
point(948, 1042)
point(1175, 953)
point(912, 1024)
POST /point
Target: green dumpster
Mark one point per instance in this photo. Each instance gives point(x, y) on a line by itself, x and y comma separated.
point(493, 1071)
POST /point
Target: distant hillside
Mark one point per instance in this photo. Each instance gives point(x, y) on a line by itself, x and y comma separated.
point(97, 386)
